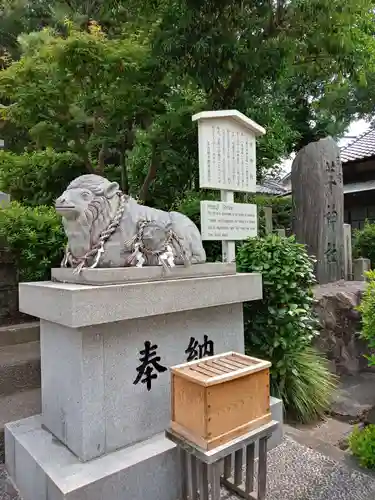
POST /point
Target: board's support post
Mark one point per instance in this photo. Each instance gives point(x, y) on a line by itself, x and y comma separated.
point(228, 247)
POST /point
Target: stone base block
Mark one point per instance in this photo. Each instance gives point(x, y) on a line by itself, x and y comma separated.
point(77, 305)
point(116, 275)
point(277, 412)
point(44, 469)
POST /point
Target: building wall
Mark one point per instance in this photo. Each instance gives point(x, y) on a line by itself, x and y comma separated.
point(358, 207)
point(359, 171)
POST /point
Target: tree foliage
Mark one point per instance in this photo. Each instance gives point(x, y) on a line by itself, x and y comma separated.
point(118, 83)
point(38, 178)
point(364, 242)
point(78, 93)
point(303, 56)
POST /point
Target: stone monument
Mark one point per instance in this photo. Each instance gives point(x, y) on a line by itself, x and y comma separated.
point(108, 338)
point(318, 206)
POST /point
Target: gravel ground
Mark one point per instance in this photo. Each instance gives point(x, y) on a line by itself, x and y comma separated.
point(296, 472)
point(7, 492)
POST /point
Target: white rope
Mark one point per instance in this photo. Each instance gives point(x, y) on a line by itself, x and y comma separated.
point(97, 250)
point(140, 252)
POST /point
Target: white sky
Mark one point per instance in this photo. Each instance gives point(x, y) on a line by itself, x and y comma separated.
point(356, 128)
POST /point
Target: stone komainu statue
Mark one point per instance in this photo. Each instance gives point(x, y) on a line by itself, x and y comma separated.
point(106, 228)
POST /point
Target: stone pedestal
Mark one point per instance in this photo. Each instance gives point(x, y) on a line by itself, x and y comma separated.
point(360, 268)
point(105, 354)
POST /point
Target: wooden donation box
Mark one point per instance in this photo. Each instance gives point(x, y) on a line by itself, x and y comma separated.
point(219, 398)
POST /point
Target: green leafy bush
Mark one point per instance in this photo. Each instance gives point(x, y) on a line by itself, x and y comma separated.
point(281, 211)
point(37, 178)
point(364, 242)
point(282, 325)
point(362, 445)
point(367, 309)
point(34, 237)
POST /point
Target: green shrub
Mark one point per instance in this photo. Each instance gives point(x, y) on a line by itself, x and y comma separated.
point(362, 445)
point(367, 309)
point(282, 325)
point(281, 211)
point(39, 177)
point(364, 242)
point(34, 237)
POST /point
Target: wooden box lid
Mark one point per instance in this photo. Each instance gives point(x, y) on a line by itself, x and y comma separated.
point(220, 368)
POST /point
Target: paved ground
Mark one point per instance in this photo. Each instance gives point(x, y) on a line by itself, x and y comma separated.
point(355, 395)
point(296, 472)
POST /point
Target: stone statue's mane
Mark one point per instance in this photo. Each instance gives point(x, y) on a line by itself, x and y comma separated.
point(92, 182)
point(98, 212)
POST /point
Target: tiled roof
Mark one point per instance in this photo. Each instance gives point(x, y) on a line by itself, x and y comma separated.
point(271, 187)
point(360, 149)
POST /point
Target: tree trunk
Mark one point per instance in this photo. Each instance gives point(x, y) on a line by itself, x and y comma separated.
point(318, 206)
point(151, 174)
point(124, 173)
point(90, 169)
point(101, 160)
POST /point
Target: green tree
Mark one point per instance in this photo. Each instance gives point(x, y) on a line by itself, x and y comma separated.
point(124, 93)
point(290, 64)
point(81, 93)
point(17, 17)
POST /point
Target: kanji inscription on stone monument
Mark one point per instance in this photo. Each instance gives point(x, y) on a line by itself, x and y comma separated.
point(318, 206)
point(227, 161)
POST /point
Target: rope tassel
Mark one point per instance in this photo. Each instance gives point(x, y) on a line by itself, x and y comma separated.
point(163, 251)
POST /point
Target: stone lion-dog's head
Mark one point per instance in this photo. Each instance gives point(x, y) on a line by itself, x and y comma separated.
point(87, 207)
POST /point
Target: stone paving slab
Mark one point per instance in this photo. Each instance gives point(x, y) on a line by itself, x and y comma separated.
point(295, 473)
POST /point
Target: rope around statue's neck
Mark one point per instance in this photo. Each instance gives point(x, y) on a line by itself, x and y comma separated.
point(97, 250)
point(140, 251)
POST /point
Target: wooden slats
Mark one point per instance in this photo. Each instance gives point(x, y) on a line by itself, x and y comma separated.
point(203, 370)
point(220, 367)
point(234, 364)
point(223, 366)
